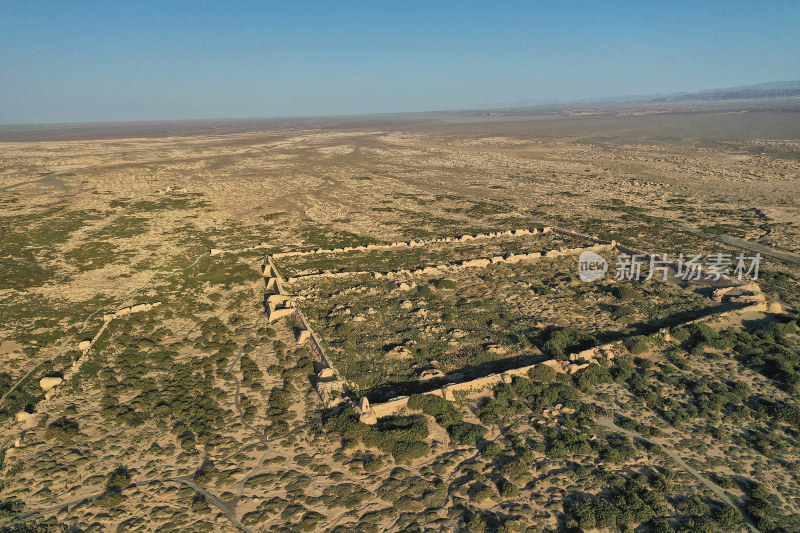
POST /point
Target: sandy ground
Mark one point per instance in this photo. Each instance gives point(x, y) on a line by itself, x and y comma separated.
point(98, 218)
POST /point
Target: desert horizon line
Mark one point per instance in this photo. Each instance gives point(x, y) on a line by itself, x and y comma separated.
point(685, 96)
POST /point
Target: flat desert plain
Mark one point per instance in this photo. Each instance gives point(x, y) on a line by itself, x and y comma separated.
point(145, 386)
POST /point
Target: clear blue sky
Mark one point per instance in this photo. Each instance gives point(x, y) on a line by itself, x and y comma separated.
point(171, 59)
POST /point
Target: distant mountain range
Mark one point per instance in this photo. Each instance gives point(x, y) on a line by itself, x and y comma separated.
point(775, 89)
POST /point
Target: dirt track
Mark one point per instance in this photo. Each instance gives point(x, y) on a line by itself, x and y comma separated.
point(609, 424)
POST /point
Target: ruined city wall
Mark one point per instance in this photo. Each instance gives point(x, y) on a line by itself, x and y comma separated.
point(481, 262)
point(276, 275)
point(313, 340)
point(576, 362)
point(51, 385)
point(415, 243)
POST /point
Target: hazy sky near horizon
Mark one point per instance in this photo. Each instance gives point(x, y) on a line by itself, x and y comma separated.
point(83, 61)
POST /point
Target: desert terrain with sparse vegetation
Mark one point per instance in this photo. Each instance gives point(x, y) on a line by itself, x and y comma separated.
point(159, 289)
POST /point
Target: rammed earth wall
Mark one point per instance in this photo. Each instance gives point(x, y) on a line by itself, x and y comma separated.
point(330, 380)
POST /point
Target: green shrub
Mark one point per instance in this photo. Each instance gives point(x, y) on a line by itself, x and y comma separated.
point(591, 376)
point(477, 524)
point(515, 469)
point(783, 411)
point(492, 450)
point(626, 292)
point(770, 349)
point(119, 479)
point(693, 506)
point(187, 440)
point(110, 498)
point(638, 344)
point(403, 437)
point(199, 504)
point(446, 284)
point(407, 450)
point(292, 510)
point(727, 517)
point(542, 373)
point(524, 396)
point(660, 525)
point(482, 493)
point(623, 369)
point(250, 370)
point(703, 333)
point(11, 508)
point(562, 341)
point(507, 489)
point(63, 430)
point(680, 334)
point(440, 409)
point(310, 521)
point(346, 426)
point(466, 433)
point(280, 399)
point(631, 502)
